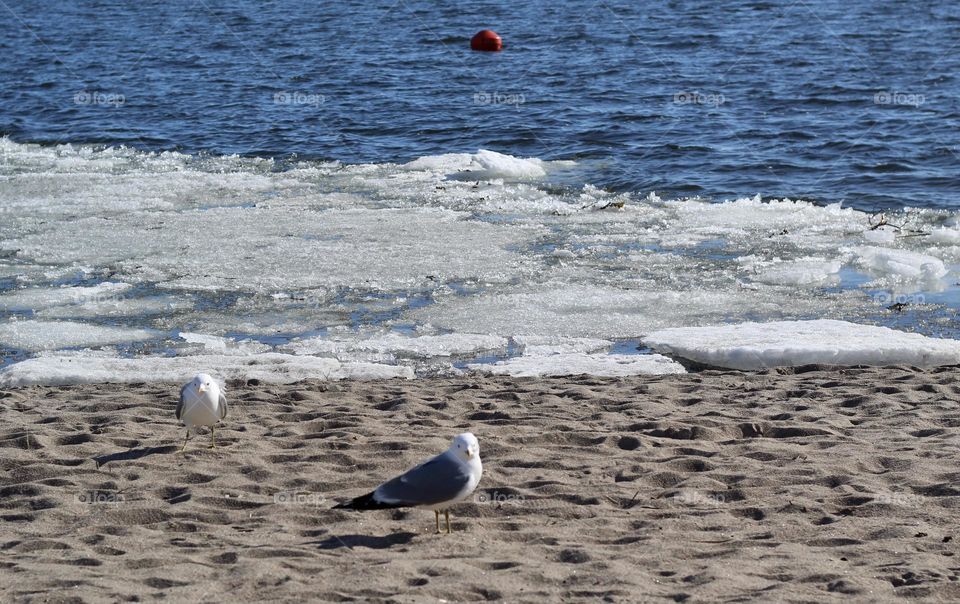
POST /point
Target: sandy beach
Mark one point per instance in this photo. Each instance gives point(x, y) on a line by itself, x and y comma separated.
point(794, 485)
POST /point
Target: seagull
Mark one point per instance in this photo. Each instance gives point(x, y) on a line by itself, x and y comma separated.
point(435, 484)
point(201, 404)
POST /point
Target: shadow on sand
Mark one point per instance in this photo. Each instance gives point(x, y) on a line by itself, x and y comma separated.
point(368, 541)
point(131, 454)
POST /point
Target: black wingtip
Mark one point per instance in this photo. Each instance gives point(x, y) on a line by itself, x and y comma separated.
point(365, 502)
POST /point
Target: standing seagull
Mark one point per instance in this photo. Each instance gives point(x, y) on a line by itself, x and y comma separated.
point(436, 484)
point(201, 404)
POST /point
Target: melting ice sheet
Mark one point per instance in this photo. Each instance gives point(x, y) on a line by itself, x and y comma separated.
point(53, 335)
point(794, 343)
point(103, 300)
point(557, 356)
point(86, 367)
point(576, 363)
point(463, 258)
point(390, 346)
point(483, 165)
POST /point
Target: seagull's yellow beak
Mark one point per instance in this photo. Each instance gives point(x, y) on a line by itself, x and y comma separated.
point(201, 389)
point(469, 453)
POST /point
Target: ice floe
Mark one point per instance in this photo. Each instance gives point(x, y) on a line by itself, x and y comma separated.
point(38, 298)
point(423, 346)
point(804, 272)
point(32, 336)
point(458, 252)
point(575, 363)
point(84, 367)
point(794, 343)
point(900, 265)
point(254, 250)
point(102, 300)
point(564, 310)
point(945, 236)
point(206, 344)
point(482, 165)
point(548, 345)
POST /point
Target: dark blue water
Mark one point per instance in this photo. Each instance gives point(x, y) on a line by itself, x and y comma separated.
point(826, 100)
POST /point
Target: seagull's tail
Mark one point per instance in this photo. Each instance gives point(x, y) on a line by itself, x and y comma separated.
point(365, 502)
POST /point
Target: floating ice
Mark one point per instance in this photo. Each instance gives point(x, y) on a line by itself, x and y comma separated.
point(46, 297)
point(482, 165)
point(881, 235)
point(88, 367)
point(793, 343)
point(443, 163)
point(224, 346)
point(557, 356)
point(52, 335)
point(239, 320)
point(44, 185)
point(102, 300)
point(794, 221)
point(289, 250)
point(945, 236)
point(119, 306)
point(901, 265)
point(568, 310)
point(399, 345)
point(805, 272)
point(578, 363)
point(547, 345)
point(229, 249)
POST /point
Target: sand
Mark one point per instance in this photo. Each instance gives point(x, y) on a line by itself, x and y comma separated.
point(809, 485)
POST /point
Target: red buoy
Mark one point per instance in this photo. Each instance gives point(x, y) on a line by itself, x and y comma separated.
point(486, 40)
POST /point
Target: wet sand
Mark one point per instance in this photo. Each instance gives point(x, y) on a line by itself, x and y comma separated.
point(808, 485)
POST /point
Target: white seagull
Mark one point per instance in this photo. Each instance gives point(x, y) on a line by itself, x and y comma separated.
point(435, 484)
point(201, 404)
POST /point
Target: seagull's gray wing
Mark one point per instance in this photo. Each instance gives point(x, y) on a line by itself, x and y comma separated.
point(435, 481)
point(223, 406)
point(182, 401)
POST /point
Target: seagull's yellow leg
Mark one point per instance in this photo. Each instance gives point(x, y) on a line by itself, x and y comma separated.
point(437, 514)
point(185, 440)
point(447, 514)
point(213, 438)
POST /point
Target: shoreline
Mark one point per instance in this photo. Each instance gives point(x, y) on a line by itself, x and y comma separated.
point(791, 484)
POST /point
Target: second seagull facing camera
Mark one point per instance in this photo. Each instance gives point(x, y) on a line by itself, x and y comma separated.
point(201, 404)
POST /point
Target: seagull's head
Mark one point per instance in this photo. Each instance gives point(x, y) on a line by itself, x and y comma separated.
point(466, 446)
point(204, 383)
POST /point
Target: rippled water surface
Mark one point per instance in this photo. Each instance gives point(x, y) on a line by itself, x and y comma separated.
point(824, 100)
